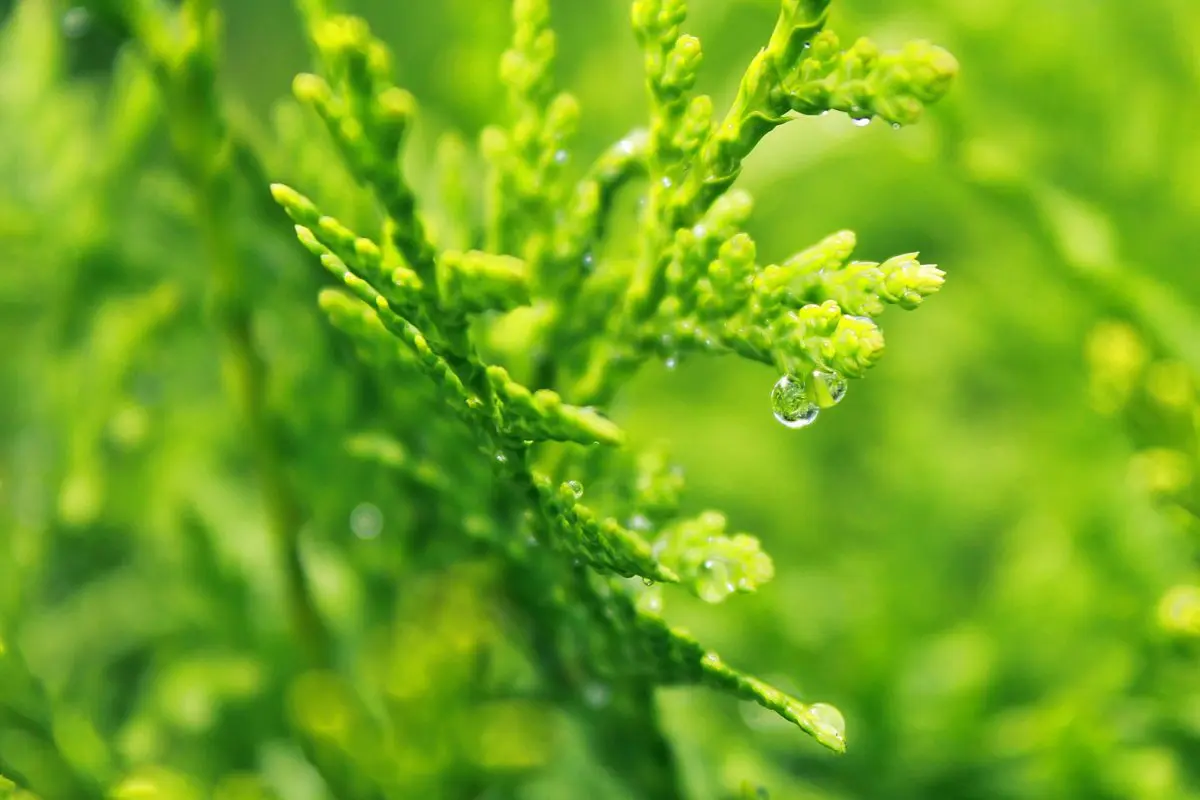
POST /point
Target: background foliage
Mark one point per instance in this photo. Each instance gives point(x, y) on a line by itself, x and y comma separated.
point(969, 555)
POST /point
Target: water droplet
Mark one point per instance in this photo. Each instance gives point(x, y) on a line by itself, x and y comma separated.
point(596, 695)
point(830, 386)
point(828, 722)
point(650, 601)
point(671, 362)
point(666, 182)
point(861, 121)
point(561, 156)
point(75, 22)
point(711, 659)
point(366, 521)
point(713, 584)
point(589, 260)
point(576, 488)
point(895, 126)
point(791, 404)
point(639, 522)
point(625, 146)
point(501, 458)
point(699, 231)
point(647, 581)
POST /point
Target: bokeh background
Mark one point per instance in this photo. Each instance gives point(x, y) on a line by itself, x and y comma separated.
point(965, 565)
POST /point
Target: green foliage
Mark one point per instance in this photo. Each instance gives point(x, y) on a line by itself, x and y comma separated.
point(585, 315)
point(694, 283)
point(374, 503)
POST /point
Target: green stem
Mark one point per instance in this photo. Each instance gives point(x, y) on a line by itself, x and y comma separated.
point(246, 373)
point(204, 147)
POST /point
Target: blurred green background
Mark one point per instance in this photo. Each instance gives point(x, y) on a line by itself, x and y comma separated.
point(964, 565)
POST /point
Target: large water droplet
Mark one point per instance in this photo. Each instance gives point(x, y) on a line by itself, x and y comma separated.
point(366, 521)
point(828, 722)
point(791, 404)
point(576, 488)
point(830, 387)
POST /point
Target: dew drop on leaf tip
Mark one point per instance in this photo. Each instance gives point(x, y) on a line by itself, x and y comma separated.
point(828, 721)
point(791, 404)
point(831, 384)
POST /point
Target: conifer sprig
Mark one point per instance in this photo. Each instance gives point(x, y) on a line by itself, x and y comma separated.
point(695, 284)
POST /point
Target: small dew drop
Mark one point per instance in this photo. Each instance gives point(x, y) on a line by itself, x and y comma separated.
point(561, 156)
point(666, 182)
point(699, 231)
point(713, 584)
point(828, 721)
point(831, 384)
point(640, 523)
point(75, 22)
point(596, 695)
point(501, 458)
point(647, 581)
point(625, 146)
point(861, 122)
point(791, 404)
point(366, 521)
point(650, 601)
point(589, 260)
point(895, 126)
point(711, 659)
point(672, 362)
point(576, 488)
